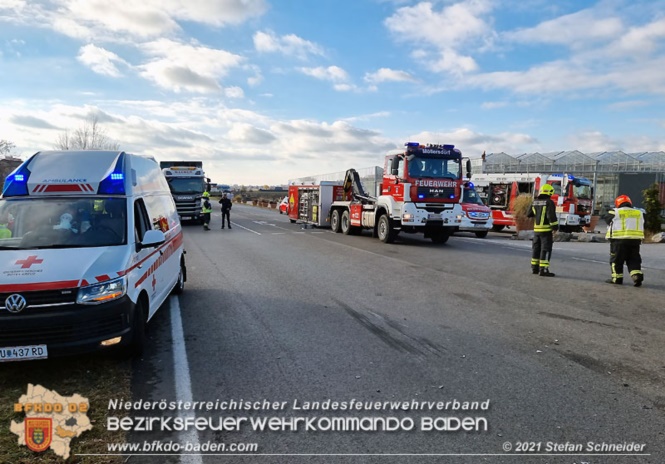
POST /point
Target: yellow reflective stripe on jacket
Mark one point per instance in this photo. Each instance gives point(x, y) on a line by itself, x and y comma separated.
point(628, 223)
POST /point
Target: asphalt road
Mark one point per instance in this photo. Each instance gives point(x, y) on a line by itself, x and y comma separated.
point(277, 312)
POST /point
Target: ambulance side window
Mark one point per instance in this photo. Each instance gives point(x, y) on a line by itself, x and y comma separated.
point(141, 222)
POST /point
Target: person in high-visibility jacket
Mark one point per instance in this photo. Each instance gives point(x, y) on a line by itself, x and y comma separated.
point(206, 210)
point(543, 211)
point(625, 233)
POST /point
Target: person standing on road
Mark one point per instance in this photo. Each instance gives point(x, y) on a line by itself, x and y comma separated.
point(206, 210)
point(545, 224)
point(625, 233)
point(226, 209)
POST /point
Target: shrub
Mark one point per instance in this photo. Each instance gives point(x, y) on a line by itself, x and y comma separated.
point(521, 206)
point(653, 207)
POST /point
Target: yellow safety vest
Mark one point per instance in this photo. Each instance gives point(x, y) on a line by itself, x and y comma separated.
point(627, 223)
point(4, 231)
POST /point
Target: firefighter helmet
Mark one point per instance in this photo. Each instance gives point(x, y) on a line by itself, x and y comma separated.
point(546, 189)
point(206, 194)
point(621, 199)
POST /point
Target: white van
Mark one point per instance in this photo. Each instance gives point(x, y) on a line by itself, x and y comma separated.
point(90, 249)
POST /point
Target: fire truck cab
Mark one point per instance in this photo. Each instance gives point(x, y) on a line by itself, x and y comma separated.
point(573, 196)
point(419, 193)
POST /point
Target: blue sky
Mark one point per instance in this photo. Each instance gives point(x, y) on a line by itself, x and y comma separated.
point(265, 90)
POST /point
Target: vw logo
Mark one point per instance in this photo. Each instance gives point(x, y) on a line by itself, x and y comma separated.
point(15, 303)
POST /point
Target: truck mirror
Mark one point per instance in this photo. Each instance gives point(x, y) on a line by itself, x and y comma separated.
point(468, 169)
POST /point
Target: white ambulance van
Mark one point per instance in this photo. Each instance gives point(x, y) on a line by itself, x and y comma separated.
point(90, 248)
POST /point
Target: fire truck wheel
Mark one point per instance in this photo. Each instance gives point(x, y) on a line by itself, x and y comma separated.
point(385, 232)
point(497, 228)
point(441, 237)
point(482, 233)
point(335, 221)
point(346, 223)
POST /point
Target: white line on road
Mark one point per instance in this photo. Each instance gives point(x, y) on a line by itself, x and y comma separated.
point(589, 260)
point(183, 381)
point(249, 230)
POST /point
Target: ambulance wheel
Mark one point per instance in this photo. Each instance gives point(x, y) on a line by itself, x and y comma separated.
point(482, 233)
point(346, 223)
point(138, 336)
point(335, 221)
point(182, 277)
point(497, 228)
point(385, 233)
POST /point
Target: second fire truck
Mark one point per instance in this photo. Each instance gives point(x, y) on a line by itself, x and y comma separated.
point(419, 193)
point(573, 196)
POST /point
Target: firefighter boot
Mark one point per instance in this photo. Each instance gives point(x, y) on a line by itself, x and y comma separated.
point(534, 270)
point(205, 227)
point(545, 272)
point(637, 279)
point(618, 281)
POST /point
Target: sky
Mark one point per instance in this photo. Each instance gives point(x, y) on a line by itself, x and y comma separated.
point(263, 91)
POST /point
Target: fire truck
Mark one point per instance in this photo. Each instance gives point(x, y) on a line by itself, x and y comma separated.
point(419, 193)
point(573, 196)
point(187, 182)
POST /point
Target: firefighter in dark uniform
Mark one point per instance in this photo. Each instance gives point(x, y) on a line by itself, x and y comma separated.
point(206, 210)
point(543, 210)
point(625, 233)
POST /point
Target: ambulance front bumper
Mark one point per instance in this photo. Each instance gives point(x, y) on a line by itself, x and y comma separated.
point(67, 329)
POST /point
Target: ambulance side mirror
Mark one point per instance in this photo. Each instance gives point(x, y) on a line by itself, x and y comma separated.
point(151, 239)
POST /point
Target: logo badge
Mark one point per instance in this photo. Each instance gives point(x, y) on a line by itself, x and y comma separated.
point(38, 433)
point(15, 303)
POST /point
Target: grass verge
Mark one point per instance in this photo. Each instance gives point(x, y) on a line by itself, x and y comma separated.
point(97, 378)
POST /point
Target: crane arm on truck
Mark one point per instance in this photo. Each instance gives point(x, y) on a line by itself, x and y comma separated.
point(353, 188)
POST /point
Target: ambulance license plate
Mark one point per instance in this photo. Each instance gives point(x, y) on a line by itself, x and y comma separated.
point(23, 353)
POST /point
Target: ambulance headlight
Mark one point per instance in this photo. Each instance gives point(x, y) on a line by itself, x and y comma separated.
point(103, 292)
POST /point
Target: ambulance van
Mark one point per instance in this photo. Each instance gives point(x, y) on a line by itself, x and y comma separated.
point(90, 248)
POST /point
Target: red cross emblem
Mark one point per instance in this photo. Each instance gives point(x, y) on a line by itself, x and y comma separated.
point(26, 263)
point(154, 282)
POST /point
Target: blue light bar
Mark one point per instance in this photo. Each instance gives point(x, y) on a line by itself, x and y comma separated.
point(449, 147)
point(114, 183)
point(421, 196)
point(411, 144)
point(16, 184)
point(470, 185)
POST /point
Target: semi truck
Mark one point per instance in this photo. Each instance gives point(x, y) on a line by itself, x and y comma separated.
point(573, 196)
point(187, 182)
point(419, 193)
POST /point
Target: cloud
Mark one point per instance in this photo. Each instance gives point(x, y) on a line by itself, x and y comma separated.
point(578, 29)
point(234, 92)
point(331, 73)
point(184, 67)
point(122, 20)
point(100, 60)
point(389, 75)
point(248, 133)
point(440, 34)
point(31, 121)
point(289, 45)
point(474, 143)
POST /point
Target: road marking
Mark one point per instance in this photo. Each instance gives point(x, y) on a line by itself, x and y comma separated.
point(589, 260)
point(183, 380)
point(249, 230)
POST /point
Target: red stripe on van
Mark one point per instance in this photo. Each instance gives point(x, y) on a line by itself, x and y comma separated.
point(63, 188)
point(62, 284)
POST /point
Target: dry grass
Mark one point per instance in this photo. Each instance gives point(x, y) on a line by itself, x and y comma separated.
point(98, 378)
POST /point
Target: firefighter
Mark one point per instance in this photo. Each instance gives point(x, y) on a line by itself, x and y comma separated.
point(206, 209)
point(625, 233)
point(543, 211)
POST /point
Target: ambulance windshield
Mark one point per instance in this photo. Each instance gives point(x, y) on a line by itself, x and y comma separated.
point(471, 196)
point(69, 222)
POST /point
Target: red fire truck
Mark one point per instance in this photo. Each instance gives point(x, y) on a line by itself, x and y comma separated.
point(499, 191)
point(419, 193)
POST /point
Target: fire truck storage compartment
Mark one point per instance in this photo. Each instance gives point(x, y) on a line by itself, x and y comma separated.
point(311, 203)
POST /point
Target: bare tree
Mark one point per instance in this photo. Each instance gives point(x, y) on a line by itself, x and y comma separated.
point(90, 136)
point(6, 146)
